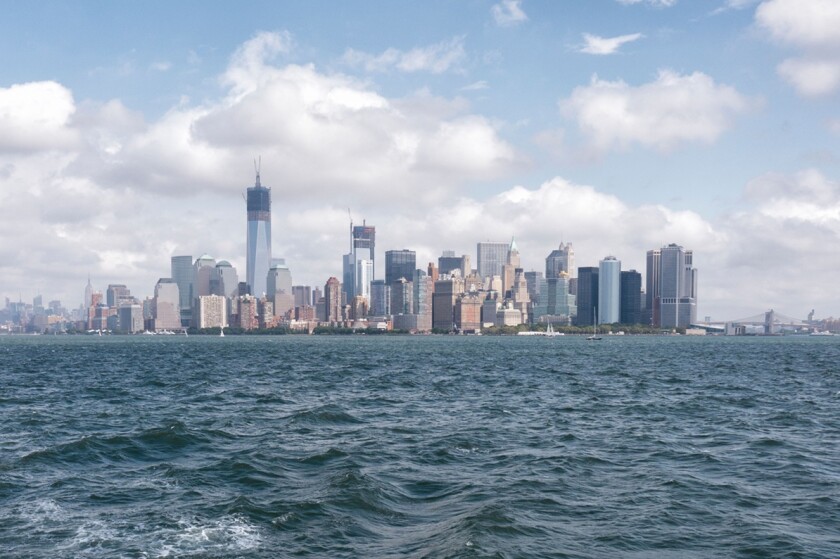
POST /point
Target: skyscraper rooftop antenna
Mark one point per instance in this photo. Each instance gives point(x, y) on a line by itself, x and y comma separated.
point(257, 165)
point(351, 228)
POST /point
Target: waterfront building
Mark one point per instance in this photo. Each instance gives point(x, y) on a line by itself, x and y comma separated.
point(519, 297)
point(348, 274)
point(631, 297)
point(258, 257)
point(491, 257)
point(358, 308)
point(609, 290)
point(467, 312)
point(212, 311)
point(587, 296)
point(489, 307)
point(560, 304)
point(166, 305)
point(248, 312)
point(130, 318)
point(677, 288)
point(560, 260)
point(508, 316)
point(653, 275)
point(424, 288)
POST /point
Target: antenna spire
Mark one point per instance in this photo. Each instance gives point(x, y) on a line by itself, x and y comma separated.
point(257, 166)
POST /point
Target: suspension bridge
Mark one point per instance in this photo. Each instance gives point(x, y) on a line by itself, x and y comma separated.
point(767, 323)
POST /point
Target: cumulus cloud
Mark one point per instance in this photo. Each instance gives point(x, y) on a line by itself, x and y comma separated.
point(606, 45)
point(810, 25)
point(508, 12)
point(125, 194)
point(663, 114)
point(437, 58)
point(35, 116)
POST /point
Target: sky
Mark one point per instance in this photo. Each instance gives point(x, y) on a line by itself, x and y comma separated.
point(128, 133)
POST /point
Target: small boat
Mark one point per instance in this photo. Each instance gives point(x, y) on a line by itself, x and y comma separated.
point(222, 332)
point(549, 332)
point(594, 336)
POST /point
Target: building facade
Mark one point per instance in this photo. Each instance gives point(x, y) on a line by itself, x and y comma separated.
point(631, 297)
point(609, 290)
point(587, 295)
point(258, 257)
point(491, 257)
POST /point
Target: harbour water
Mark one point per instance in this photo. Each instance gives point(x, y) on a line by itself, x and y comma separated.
point(441, 446)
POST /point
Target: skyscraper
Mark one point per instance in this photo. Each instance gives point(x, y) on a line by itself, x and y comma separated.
point(677, 287)
point(399, 264)
point(587, 295)
point(609, 290)
point(652, 279)
point(362, 247)
point(182, 274)
point(631, 297)
point(491, 257)
point(332, 300)
point(258, 258)
point(559, 260)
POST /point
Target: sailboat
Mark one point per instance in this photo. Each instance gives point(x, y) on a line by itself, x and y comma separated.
point(222, 332)
point(549, 331)
point(594, 336)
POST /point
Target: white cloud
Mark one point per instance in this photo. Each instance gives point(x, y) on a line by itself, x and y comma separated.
point(125, 194)
point(606, 45)
point(811, 77)
point(805, 23)
point(508, 12)
point(476, 86)
point(36, 116)
point(669, 111)
point(810, 25)
point(655, 3)
point(437, 58)
point(834, 125)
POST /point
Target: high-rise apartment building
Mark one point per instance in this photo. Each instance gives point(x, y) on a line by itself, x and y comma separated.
point(399, 264)
point(212, 311)
point(609, 290)
point(332, 300)
point(258, 258)
point(491, 257)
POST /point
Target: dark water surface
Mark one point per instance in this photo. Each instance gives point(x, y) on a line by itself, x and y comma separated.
point(419, 447)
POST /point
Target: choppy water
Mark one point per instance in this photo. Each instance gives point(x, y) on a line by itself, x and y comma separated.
point(419, 447)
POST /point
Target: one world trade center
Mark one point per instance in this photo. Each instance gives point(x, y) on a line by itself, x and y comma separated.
point(259, 237)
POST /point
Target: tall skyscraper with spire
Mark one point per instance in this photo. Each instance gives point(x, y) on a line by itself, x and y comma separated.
point(258, 259)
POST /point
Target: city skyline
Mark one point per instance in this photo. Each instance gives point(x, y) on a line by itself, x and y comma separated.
point(481, 122)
